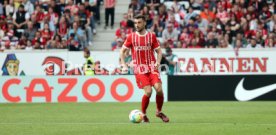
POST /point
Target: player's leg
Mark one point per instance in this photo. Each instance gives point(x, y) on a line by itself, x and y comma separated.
point(159, 96)
point(159, 102)
point(143, 82)
point(145, 102)
point(157, 84)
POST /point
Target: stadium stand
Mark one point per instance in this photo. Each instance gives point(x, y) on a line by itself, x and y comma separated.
point(75, 24)
point(207, 23)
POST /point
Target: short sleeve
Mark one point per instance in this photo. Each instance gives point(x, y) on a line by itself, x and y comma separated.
point(14, 15)
point(155, 43)
point(128, 43)
point(27, 16)
point(175, 59)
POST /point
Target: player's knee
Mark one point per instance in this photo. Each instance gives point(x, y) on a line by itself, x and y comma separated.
point(159, 91)
point(148, 91)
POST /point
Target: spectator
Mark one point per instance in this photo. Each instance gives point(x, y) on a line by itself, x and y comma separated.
point(85, 22)
point(199, 37)
point(157, 26)
point(46, 34)
point(38, 42)
point(62, 5)
point(237, 12)
point(265, 14)
point(170, 36)
point(3, 26)
point(124, 29)
point(44, 4)
point(238, 44)
point(10, 39)
point(271, 23)
point(163, 15)
point(94, 8)
point(9, 8)
point(56, 43)
point(149, 17)
point(185, 38)
point(178, 10)
point(224, 44)
point(39, 15)
point(99, 70)
point(222, 14)
point(259, 39)
point(130, 14)
point(136, 7)
point(172, 20)
point(69, 17)
point(202, 24)
point(207, 14)
point(56, 7)
point(28, 6)
point(92, 16)
point(153, 3)
point(190, 14)
point(109, 10)
point(73, 8)
point(30, 31)
point(269, 42)
point(211, 42)
point(63, 26)
point(53, 19)
point(29, 46)
point(253, 44)
point(77, 36)
point(241, 40)
point(194, 44)
point(234, 25)
point(20, 19)
point(1, 8)
point(22, 42)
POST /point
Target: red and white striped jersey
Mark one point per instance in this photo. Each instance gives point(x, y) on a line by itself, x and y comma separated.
point(142, 50)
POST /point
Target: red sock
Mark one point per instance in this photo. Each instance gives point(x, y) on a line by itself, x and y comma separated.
point(159, 102)
point(145, 103)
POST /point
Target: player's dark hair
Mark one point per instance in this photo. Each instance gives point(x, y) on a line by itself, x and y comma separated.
point(87, 51)
point(140, 17)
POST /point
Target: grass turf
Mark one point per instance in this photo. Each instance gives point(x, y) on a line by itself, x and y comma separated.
point(207, 118)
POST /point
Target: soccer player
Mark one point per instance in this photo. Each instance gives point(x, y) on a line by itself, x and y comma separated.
point(143, 44)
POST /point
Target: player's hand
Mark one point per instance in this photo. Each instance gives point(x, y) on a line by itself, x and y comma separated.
point(156, 65)
point(124, 68)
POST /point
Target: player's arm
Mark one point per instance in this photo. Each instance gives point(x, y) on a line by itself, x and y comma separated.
point(157, 48)
point(159, 57)
point(122, 55)
point(127, 44)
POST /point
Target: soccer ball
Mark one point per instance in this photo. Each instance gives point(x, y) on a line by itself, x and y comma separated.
point(136, 116)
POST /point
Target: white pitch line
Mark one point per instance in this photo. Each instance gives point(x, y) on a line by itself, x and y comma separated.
point(128, 123)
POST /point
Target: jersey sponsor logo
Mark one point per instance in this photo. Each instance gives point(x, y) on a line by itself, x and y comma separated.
point(142, 48)
point(243, 94)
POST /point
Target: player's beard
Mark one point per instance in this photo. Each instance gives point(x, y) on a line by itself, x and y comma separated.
point(140, 29)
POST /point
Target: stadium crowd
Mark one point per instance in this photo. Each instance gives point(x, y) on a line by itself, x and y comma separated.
point(205, 23)
point(47, 24)
point(60, 24)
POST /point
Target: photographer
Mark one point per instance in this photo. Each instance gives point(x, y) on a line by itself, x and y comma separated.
point(170, 60)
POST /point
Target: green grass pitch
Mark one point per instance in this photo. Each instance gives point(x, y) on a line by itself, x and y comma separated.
point(191, 118)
